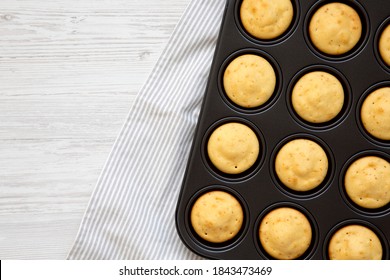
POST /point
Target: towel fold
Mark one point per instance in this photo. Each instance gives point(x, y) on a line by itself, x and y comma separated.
point(131, 214)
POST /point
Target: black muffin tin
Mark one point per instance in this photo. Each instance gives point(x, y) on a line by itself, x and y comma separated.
point(344, 139)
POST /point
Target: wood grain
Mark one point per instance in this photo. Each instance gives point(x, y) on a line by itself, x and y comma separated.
point(69, 72)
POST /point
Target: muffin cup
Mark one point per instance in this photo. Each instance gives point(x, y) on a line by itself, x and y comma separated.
point(250, 171)
point(376, 230)
point(303, 194)
point(359, 209)
point(363, 97)
point(359, 45)
point(223, 246)
point(290, 30)
point(278, 86)
point(347, 97)
point(378, 34)
point(314, 239)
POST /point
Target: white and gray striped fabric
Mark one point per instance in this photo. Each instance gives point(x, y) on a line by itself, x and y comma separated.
point(131, 214)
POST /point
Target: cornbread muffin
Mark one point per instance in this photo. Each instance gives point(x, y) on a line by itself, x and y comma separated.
point(301, 165)
point(355, 242)
point(375, 113)
point(233, 148)
point(266, 19)
point(318, 97)
point(217, 216)
point(285, 233)
point(249, 80)
point(367, 182)
point(384, 45)
point(335, 28)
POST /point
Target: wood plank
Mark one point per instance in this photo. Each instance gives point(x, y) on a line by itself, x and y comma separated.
point(69, 73)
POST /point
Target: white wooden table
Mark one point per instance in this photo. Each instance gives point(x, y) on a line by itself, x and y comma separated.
point(69, 72)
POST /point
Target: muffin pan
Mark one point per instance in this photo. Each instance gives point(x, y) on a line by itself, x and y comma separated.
point(344, 139)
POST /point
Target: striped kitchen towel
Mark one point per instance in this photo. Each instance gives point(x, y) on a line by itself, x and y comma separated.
point(131, 214)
